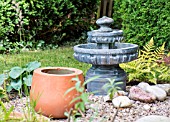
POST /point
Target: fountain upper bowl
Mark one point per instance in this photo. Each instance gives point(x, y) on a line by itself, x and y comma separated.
point(88, 53)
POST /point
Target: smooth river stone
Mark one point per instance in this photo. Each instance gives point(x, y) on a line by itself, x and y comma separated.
point(116, 94)
point(154, 118)
point(106, 98)
point(120, 93)
point(143, 85)
point(136, 93)
point(121, 101)
point(158, 92)
point(165, 87)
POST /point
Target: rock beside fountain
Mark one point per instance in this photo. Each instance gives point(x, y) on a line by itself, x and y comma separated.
point(165, 87)
point(158, 92)
point(118, 93)
point(122, 101)
point(143, 85)
point(154, 118)
point(139, 94)
point(106, 98)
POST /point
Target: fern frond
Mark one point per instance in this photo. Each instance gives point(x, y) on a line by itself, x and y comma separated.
point(153, 80)
point(168, 54)
point(160, 51)
point(134, 76)
point(165, 75)
point(150, 45)
point(163, 46)
point(146, 66)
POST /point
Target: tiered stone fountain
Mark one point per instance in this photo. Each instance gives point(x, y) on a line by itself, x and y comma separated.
point(105, 52)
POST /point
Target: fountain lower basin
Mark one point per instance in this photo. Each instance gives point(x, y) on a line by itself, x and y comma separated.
point(105, 63)
point(89, 53)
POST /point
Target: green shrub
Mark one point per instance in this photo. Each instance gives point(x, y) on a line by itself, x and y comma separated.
point(51, 21)
point(150, 66)
point(143, 20)
point(117, 14)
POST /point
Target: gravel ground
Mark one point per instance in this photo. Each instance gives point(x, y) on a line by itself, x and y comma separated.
point(105, 111)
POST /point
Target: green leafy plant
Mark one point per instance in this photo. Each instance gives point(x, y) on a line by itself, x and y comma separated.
point(111, 87)
point(146, 67)
point(17, 76)
point(81, 101)
point(9, 115)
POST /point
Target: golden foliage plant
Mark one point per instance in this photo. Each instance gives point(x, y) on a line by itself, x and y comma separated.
point(147, 67)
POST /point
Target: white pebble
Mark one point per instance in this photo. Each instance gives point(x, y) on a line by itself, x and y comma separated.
point(146, 107)
point(143, 85)
point(122, 101)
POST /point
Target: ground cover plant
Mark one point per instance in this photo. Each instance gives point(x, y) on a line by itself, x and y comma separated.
point(18, 77)
point(59, 57)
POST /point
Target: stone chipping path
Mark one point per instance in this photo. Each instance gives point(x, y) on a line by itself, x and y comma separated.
point(133, 113)
point(104, 111)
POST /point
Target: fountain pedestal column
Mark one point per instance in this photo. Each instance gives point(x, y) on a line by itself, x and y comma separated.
point(105, 71)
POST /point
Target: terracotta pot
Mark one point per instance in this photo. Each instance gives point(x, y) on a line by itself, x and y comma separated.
point(48, 88)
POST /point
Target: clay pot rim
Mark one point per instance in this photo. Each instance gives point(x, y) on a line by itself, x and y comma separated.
point(75, 71)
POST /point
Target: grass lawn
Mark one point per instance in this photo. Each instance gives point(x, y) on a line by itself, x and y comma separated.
point(62, 56)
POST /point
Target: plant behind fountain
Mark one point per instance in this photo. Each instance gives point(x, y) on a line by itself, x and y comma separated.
point(151, 66)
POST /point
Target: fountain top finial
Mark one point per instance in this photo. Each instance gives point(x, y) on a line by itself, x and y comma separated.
point(105, 37)
point(104, 24)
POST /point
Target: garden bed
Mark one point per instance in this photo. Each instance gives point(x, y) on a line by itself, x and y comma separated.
point(104, 111)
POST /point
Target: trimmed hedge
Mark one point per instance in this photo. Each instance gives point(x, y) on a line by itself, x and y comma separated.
point(144, 19)
point(53, 21)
